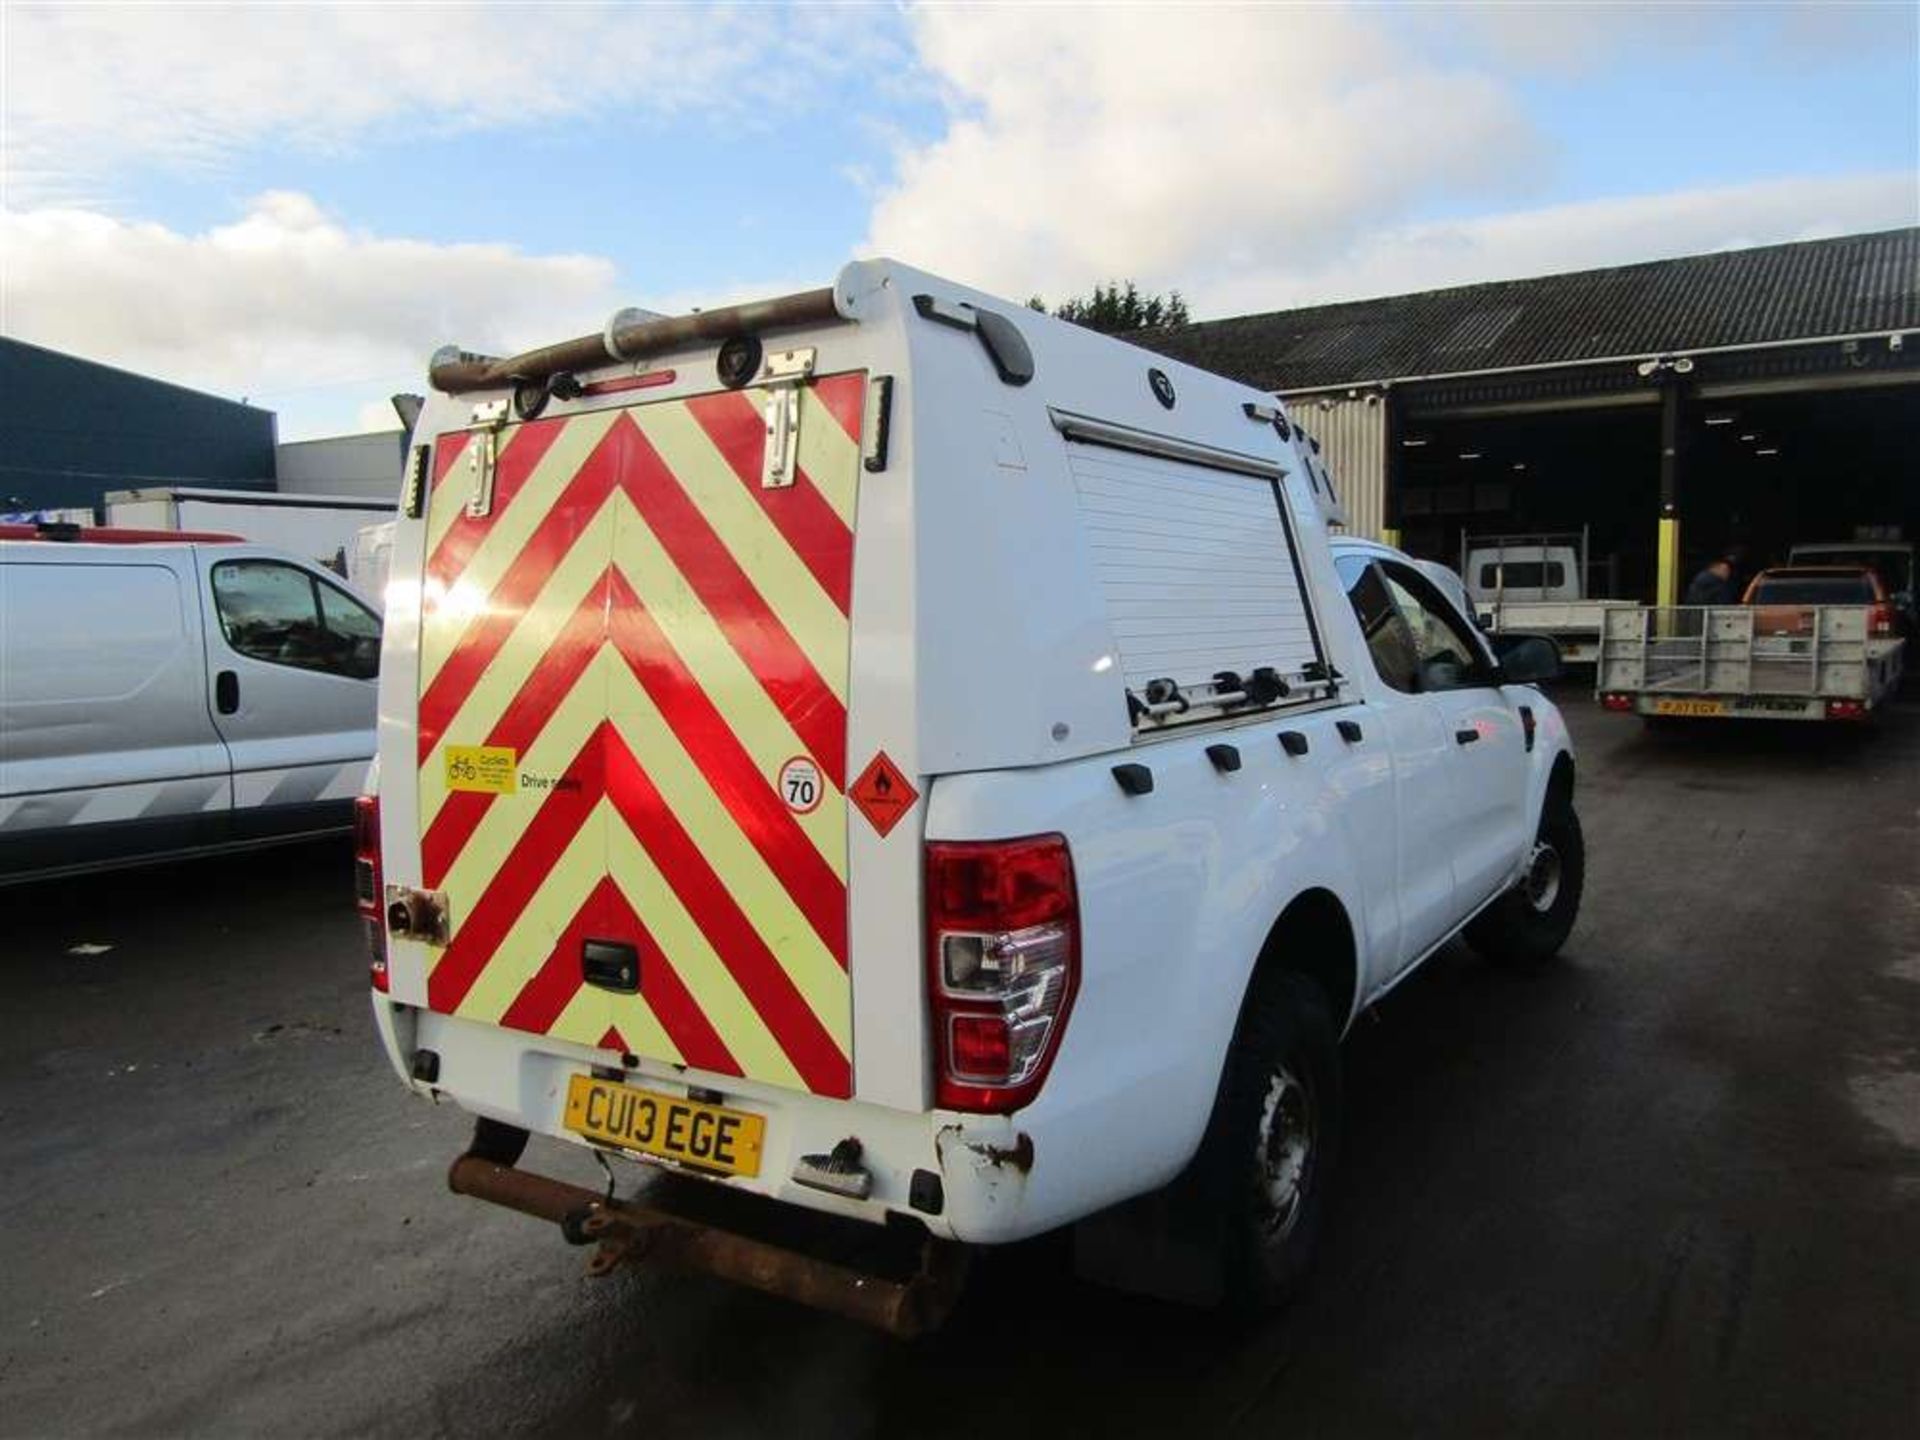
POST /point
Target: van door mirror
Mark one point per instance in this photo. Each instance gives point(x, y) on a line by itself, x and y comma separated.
point(1526, 659)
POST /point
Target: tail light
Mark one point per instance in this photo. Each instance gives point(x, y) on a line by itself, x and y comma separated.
point(367, 889)
point(1846, 710)
point(1880, 619)
point(1003, 952)
point(1619, 703)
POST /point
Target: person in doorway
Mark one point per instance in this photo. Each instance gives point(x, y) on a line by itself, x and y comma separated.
point(1714, 585)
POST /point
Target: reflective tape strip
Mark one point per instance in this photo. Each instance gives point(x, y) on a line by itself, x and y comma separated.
point(105, 804)
point(298, 784)
point(654, 639)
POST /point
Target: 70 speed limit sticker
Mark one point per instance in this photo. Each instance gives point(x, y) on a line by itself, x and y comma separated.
point(800, 785)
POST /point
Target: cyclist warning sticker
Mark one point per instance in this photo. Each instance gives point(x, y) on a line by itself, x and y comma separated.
point(883, 793)
point(799, 785)
point(485, 769)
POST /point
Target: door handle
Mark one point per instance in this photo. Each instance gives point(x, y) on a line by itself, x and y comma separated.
point(226, 692)
point(1466, 737)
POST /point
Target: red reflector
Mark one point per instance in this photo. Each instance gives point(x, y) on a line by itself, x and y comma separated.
point(377, 954)
point(1619, 703)
point(647, 381)
point(982, 1048)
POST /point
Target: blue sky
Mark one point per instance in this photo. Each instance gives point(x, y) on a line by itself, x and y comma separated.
point(298, 203)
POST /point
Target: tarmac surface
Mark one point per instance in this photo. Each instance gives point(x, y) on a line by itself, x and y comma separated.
point(1670, 1185)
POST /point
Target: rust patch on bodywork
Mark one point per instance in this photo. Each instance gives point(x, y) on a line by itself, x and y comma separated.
point(1019, 1154)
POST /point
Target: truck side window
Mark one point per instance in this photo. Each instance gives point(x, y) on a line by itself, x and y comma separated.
point(1449, 658)
point(1389, 640)
point(283, 615)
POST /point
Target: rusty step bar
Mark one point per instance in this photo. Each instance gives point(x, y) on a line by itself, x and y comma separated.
point(628, 1231)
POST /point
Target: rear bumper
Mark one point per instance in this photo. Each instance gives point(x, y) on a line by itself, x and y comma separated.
point(1736, 707)
point(984, 1164)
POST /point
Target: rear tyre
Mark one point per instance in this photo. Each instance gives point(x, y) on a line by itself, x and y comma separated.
point(1529, 924)
point(1267, 1161)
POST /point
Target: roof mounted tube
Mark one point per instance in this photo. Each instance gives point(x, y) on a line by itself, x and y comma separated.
point(629, 335)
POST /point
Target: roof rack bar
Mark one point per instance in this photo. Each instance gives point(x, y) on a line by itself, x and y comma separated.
point(628, 337)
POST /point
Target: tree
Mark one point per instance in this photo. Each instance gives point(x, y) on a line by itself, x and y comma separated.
point(1119, 306)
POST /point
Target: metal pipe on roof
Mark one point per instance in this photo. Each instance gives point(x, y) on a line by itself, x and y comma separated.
point(456, 372)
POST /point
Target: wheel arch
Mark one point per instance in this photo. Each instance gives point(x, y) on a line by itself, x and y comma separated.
point(1552, 789)
point(1560, 779)
point(1314, 937)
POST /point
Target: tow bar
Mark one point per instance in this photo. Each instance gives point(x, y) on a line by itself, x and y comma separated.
point(625, 1230)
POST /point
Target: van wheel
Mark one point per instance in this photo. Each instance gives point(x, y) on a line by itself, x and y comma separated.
point(1268, 1156)
point(1529, 924)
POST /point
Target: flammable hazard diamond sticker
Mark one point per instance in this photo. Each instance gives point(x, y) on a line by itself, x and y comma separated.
point(883, 793)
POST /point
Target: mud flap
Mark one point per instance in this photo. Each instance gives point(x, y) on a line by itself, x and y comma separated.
point(1156, 1246)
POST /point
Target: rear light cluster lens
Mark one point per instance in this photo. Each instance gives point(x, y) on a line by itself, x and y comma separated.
point(1846, 710)
point(1881, 619)
point(1620, 703)
point(367, 887)
point(1003, 951)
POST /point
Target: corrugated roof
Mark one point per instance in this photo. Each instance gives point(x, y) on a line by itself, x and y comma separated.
point(1850, 285)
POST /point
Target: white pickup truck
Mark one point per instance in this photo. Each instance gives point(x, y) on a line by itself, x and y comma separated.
point(889, 754)
point(1537, 585)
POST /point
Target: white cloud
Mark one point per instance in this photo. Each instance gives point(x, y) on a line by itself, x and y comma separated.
point(1554, 239)
point(1568, 39)
point(286, 305)
point(1258, 158)
point(91, 90)
point(295, 310)
point(1182, 145)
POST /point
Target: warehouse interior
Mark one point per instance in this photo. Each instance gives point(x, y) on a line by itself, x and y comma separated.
point(1668, 410)
point(1762, 471)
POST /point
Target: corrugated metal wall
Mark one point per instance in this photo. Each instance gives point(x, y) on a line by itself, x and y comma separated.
point(364, 465)
point(1352, 433)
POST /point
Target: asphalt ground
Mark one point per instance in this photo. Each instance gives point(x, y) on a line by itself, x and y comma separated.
point(1671, 1185)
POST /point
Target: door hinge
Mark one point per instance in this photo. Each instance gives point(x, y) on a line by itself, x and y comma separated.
point(483, 456)
point(783, 376)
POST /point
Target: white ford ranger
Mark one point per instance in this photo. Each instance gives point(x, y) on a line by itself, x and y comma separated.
point(886, 753)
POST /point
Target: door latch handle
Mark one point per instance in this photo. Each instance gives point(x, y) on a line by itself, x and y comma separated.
point(1466, 737)
point(226, 692)
point(1350, 731)
point(611, 965)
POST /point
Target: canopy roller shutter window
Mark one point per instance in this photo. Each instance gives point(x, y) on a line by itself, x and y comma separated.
point(1198, 571)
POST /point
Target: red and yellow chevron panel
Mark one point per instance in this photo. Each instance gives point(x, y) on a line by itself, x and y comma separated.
point(621, 665)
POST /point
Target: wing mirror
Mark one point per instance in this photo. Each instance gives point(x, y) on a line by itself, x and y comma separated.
point(1526, 659)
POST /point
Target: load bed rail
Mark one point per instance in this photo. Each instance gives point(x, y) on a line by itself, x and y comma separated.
point(1808, 662)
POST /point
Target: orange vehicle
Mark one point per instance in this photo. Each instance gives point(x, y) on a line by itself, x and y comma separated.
point(1784, 598)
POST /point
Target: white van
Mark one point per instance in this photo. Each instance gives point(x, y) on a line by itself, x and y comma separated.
point(164, 695)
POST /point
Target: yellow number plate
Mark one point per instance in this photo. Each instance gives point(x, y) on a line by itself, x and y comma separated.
point(709, 1136)
point(487, 769)
point(1689, 707)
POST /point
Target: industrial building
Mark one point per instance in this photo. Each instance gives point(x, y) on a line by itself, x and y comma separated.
point(78, 431)
point(1669, 409)
point(366, 467)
